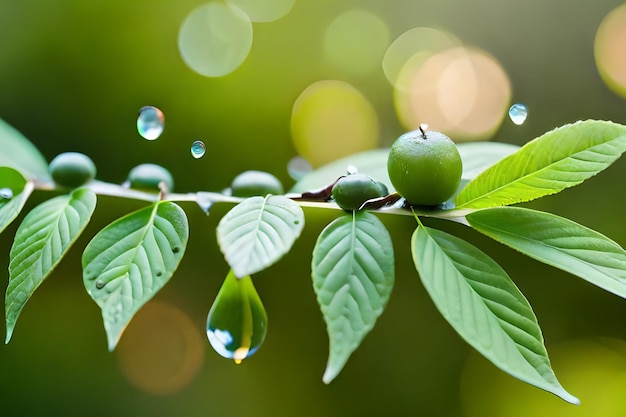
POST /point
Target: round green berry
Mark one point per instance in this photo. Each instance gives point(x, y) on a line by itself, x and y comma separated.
point(149, 177)
point(72, 169)
point(255, 183)
point(425, 167)
point(351, 191)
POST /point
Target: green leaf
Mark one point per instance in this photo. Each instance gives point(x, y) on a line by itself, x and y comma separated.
point(476, 296)
point(559, 242)
point(353, 275)
point(257, 232)
point(128, 261)
point(19, 153)
point(41, 241)
point(476, 156)
point(559, 159)
point(20, 190)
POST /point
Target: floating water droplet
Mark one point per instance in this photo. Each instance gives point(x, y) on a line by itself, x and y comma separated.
point(298, 167)
point(100, 284)
point(237, 322)
point(150, 122)
point(6, 193)
point(198, 149)
point(518, 113)
point(351, 169)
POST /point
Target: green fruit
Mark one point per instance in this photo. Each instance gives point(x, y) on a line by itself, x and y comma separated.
point(351, 191)
point(425, 167)
point(253, 183)
point(72, 169)
point(149, 176)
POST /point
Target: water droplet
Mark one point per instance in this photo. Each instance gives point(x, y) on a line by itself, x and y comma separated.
point(6, 193)
point(423, 127)
point(237, 322)
point(205, 201)
point(518, 113)
point(150, 122)
point(100, 284)
point(198, 149)
point(351, 170)
point(298, 167)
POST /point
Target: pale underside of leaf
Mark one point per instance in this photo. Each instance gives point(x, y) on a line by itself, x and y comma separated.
point(484, 306)
point(127, 262)
point(353, 275)
point(19, 153)
point(41, 241)
point(557, 241)
point(257, 232)
point(557, 160)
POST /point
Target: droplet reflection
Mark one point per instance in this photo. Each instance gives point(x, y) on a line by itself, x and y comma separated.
point(518, 113)
point(237, 322)
point(150, 123)
point(198, 149)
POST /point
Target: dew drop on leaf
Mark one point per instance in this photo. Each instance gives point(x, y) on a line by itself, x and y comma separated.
point(237, 322)
point(6, 193)
point(198, 149)
point(100, 284)
point(518, 113)
point(150, 122)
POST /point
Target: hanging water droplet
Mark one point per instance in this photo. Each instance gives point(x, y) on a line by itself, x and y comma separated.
point(237, 322)
point(198, 149)
point(100, 284)
point(298, 167)
point(518, 113)
point(351, 169)
point(6, 193)
point(150, 122)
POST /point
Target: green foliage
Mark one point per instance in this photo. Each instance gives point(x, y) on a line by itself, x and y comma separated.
point(476, 296)
point(353, 275)
point(258, 232)
point(11, 207)
point(557, 160)
point(42, 239)
point(131, 259)
point(127, 262)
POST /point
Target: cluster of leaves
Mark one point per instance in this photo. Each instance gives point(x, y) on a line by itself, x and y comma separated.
point(127, 262)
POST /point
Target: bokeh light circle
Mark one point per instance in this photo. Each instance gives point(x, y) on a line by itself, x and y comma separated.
point(331, 119)
point(592, 370)
point(609, 50)
point(414, 46)
point(356, 41)
point(264, 11)
point(162, 350)
point(215, 39)
point(463, 92)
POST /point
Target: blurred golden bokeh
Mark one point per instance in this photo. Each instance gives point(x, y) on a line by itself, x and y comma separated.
point(463, 92)
point(162, 350)
point(610, 50)
point(332, 119)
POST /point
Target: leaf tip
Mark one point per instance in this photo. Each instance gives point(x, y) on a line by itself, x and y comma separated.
point(329, 375)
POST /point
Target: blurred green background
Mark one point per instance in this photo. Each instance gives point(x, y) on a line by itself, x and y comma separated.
point(72, 78)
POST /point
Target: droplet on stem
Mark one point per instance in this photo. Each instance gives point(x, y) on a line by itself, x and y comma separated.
point(351, 170)
point(518, 113)
point(150, 122)
point(237, 321)
point(198, 149)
